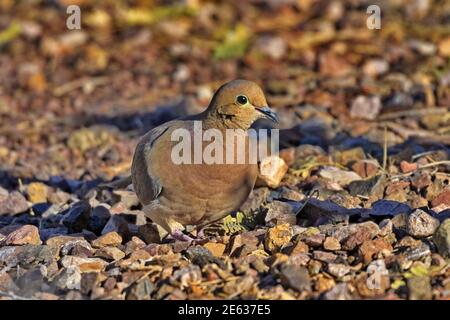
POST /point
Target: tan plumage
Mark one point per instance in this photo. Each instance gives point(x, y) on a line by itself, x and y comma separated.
point(176, 195)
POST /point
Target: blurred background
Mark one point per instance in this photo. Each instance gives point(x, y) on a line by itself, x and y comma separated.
point(74, 102)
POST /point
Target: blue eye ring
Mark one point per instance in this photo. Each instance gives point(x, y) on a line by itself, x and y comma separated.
point(241, 100)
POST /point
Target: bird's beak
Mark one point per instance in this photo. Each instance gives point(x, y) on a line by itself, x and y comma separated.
point(268, 113)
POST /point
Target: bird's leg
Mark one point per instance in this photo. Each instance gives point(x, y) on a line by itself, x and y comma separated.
point(201, 233)
point(179, 235)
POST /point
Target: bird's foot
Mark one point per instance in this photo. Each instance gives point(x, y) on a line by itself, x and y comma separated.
point(179, 235)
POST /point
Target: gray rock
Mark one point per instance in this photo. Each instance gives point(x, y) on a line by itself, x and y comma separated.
point(13, 204)
point(420, 224)
point(280, 212)
point(442, 238)
point(418, 252)
point(338, 292)
point(69, 278)
point(338, 269)
point(339, 176)
point(141, 290)
point(295, 277)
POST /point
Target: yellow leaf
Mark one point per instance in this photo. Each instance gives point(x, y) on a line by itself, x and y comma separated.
point(397, 284)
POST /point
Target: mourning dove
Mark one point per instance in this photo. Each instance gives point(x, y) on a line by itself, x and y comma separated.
point(175, 195)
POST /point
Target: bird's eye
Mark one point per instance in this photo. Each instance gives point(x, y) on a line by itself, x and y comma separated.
point(242, 100)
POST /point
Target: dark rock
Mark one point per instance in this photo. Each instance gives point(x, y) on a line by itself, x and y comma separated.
point(295, 277)
point(53, 232)
point(118, 224)
point(77, 217)
point(98, 219)
point(201, 256)
point(388, 209)
point(79, 245)
point(150, 233)
point(322, 212)
point(371, 187)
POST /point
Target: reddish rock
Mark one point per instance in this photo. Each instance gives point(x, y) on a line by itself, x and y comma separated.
point(14, 203)
point(406, 166)
point(366, 168)
point(315, 240)
point(324, 256)
point(442, 199)
point(421, 180)
point(108, 239)
point(357, 238)
point(298, 247)
point(27, 234)
point(371, 248)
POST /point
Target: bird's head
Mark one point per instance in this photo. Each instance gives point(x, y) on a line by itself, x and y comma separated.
point(239, 103)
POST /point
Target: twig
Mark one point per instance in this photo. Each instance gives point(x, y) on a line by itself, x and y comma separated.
point(385, 149)
point(418, 155)
point(315, 191)
point(437, 163)
point(13, 296)
point(86, 84)
point(412, 113)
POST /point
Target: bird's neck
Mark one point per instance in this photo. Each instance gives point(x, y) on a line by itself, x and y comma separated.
point(216, 121)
